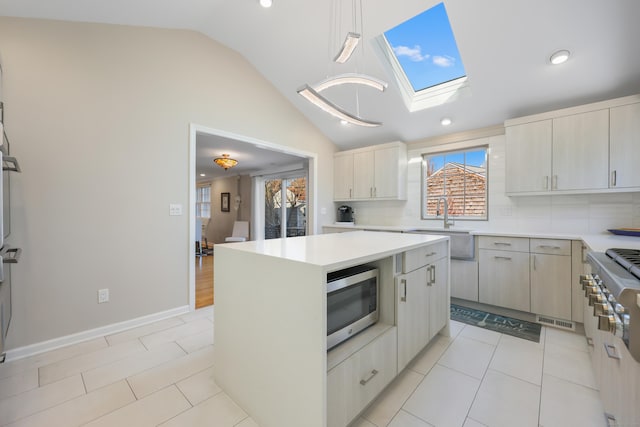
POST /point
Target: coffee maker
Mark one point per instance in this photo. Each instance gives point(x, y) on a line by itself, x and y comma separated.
point(345, 214)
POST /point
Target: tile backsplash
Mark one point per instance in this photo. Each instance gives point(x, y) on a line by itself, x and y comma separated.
point(561, 214)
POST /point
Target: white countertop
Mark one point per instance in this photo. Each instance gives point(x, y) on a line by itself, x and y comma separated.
point(337, 249)
point(595, 242)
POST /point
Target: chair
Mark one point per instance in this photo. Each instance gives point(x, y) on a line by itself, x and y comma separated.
point(240, 232)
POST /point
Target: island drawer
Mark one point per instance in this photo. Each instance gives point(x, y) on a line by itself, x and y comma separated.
point(550, 246)
point(424, 255)
point(517, 244)
point(354, 383)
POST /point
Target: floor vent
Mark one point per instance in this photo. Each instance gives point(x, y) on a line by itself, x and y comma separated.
point(550, 321)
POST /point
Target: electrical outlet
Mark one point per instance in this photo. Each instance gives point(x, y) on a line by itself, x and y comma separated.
point(103, 295)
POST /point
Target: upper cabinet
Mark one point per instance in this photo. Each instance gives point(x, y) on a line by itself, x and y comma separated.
point(624, 145)
point(371, 173)
point(585, 149)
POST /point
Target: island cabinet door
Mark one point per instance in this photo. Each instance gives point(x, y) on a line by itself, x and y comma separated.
point(412, 314)
point(438, 302)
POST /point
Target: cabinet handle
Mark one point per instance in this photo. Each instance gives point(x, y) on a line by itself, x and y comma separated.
point(549, 247)
point(583, 254)
point(430, 254)
point(373, 374)
point(503, 257)
point(554, 182)
point(546, 182)
point(534, 262)
point(370, 191)
point(610, 419)
point(612, 353)
point(350, 193)
point(433, 275)
point(404, 284)
point(375, 192)
point(614, 177)
point(501, 244)
point(589, 341)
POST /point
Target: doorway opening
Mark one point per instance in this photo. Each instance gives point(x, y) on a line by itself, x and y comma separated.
point(296, 212)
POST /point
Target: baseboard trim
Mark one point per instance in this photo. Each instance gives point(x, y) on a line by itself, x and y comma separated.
point(41, 347)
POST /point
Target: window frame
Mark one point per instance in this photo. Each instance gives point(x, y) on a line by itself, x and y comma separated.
point(423, 183)
point(200, 203)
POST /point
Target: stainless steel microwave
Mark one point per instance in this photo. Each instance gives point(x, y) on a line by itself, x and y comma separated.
point(352, 302)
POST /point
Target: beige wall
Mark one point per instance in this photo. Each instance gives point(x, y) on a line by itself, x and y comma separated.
point(221, 223)
point(98, 116)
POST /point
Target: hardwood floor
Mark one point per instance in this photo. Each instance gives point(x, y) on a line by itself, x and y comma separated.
point(204, 281)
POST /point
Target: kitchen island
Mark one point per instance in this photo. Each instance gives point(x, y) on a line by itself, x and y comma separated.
point(270, 322)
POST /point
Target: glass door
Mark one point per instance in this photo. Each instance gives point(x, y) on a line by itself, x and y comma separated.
point(285, 206)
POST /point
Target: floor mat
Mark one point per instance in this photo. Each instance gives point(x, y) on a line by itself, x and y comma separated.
point(494, 322)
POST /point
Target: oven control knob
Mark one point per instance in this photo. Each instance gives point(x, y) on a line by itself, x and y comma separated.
point(585, 277)
point(587, 282)
point(619, 308)
point(600, 309)
point(588, 290)
point(596, 298)
point(607, 323)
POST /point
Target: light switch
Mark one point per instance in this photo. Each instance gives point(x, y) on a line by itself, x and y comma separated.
point(323, 211)
point(175, 209)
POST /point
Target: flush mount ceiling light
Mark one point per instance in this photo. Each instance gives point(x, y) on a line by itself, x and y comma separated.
point(324, 104)
point(225, 162)
point(266, 3)
point(446, 121)
point(349, 45)
point(559, 57)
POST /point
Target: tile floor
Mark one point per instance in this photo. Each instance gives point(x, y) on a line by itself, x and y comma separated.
point(161, 374)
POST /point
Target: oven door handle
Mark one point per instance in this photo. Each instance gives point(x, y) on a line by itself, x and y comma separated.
point(11, 255)
point(10, 164)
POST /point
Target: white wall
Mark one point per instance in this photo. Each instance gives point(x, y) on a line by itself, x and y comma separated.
point(98, 116)
point(579, 214)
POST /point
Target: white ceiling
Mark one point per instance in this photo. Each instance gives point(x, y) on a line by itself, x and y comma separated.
point(505, 46)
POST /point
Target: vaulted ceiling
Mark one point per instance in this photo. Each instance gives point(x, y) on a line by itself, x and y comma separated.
point(505, 46)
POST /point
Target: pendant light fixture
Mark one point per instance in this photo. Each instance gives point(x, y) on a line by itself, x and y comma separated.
point(225, 162)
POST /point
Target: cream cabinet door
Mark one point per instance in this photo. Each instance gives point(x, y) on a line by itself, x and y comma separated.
point(528, 157)
point(504, 279)
point(363, 173)
point(624, 146)
point(437, 295)
point(551, 285)
point(343, 177)
point(412, 314)
point(580, 147)
point(386, 174)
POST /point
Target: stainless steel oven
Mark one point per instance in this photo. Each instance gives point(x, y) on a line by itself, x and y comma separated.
point(352, 302)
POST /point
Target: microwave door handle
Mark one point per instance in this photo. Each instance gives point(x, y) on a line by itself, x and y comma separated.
point(11, 255)
point(10, 164)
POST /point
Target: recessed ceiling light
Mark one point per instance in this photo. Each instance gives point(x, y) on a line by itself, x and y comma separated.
point(559, 57)
point(202, 174)
point(446, 121)
point(266, 3)
point(344, 122)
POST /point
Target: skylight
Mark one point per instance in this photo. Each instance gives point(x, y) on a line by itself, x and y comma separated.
point(424, 59)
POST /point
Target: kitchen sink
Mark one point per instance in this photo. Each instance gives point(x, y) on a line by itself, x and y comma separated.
point(462, 242)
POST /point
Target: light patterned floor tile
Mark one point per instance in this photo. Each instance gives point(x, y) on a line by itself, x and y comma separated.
point(468, 356)
point(139, 362)
point(171, 372)
point(199, 387)
point(455, 328)
point(519, 358)
point(567, 339)
point(405, 419)
point(201, 313)
point(248, 422)
point(428, 357)
point(178, 332)
point(82, 409)
point(443, 398)
point(19, 383)
point(141, 331)
point(361, 422)
point(567, 404)
point(30, 402)
point(197, 341)
point(87, 361)
point(481, 334)
point(470, 422)
point(11, 368)
point(569, 364)
point(150, 411)
point(505, 401)
point(218, 410)
point(392, 398)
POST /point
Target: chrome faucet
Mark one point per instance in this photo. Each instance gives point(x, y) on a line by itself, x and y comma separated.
point(447, 222)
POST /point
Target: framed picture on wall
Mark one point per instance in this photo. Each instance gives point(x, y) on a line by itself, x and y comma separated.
point(224, 202)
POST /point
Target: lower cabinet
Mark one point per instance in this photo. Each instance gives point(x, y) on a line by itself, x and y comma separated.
point(355, 382)
point(437, 295)
point(412, 315)
point(503, 279)
point(464, 279)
